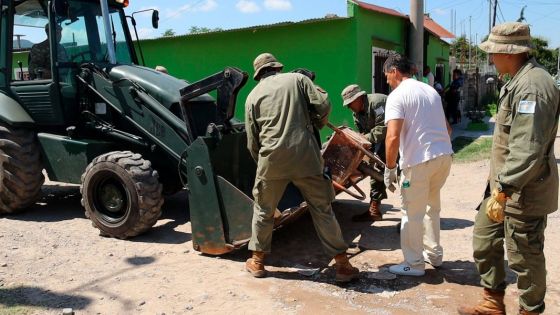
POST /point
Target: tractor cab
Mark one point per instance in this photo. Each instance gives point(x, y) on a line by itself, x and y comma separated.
point(50, 40)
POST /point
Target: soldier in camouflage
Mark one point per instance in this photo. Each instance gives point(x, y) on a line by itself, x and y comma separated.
point(523, 177)
point(279, 124)
point(368, 111)
point(40, 56)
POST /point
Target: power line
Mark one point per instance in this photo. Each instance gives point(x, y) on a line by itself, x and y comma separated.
point(451, 5)
point(501, 14)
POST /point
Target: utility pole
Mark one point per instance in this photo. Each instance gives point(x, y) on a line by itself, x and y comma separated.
point(489, 29)
point(18, 40)
point(476, 50)
point(470, 43)
point(489, 16)
point(455, 20)
point(451, 25)
point(416, 50)
point(495, 7)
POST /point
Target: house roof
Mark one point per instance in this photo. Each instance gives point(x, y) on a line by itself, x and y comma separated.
point(262, 26)
point(429, 23)
point(436, 29)
point(376, 8)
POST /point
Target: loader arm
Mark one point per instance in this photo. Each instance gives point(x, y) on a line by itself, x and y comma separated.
point(227, 84)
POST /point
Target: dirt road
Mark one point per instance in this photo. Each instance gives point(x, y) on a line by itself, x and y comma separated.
point(51, 258)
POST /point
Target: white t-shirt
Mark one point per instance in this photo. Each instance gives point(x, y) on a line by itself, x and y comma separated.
point(430, 79)
point(424, 133)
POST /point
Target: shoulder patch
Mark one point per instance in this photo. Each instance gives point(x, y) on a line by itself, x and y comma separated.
point(527, 107)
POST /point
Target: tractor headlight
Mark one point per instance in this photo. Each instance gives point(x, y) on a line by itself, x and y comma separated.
point(123, 2)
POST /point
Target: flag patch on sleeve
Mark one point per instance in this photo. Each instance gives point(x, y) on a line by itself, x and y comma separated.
point(527, 107)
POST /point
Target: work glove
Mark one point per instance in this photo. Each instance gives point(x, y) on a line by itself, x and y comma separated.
point(390, 177)
point(495, 206)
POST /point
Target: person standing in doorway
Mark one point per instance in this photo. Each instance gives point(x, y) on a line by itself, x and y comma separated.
point(428, 76)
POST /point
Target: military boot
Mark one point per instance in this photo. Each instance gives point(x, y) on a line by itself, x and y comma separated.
point(522, 311)
point(255, 265)
point(492, 304)
point(344, 270)
point(373, 213)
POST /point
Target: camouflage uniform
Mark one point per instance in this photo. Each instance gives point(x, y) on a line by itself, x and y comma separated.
point(371, 122)
point(523, 167)
point(40, 59)
point(280, 138)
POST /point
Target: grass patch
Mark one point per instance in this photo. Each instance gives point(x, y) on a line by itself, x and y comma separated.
point(15, 310)
point(477, 126)
point(470, 150)
point(491, 110)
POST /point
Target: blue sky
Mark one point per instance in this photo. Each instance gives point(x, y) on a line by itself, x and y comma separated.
point(180, 15)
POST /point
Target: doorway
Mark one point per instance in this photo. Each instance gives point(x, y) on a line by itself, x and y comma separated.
point(378, 78)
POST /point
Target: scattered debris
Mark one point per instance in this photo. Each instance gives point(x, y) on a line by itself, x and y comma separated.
point(306, 271)
point(381, 275)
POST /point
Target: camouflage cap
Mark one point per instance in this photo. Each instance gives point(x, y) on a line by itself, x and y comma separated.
point(351, 93)
point(508, 38)
point(265, 60)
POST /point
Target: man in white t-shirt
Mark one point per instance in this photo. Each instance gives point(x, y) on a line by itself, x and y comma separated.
point(417, 129)
point(429, 76)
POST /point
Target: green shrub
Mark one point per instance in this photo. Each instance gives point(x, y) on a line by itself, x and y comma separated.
point(477, 126)
point(491, 110)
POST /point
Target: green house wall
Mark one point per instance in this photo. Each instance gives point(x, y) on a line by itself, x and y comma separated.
point(338, 50)
point(437, 52)
point(322, 46)
point(379, 30)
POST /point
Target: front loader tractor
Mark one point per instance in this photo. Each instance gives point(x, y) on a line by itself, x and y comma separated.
point(79, 107)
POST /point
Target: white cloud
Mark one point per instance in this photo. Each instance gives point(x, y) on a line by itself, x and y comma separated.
point(247, 6)
point(148, 8)
point(206, 6)
point(145, 33)
point(439, 11)
point(278, 5)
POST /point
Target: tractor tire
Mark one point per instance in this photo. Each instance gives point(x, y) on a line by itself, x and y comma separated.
point(121, 194)
point(21, 170)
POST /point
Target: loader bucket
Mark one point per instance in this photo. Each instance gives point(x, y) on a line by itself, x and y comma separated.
point(220, 175)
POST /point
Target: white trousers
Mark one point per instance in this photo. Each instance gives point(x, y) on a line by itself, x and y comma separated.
point(420, 196)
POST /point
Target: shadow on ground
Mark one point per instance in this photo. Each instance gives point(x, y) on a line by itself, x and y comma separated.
point(458, 272)
point(175, 213)
point(298, 243)
point(57, 203)
point(38, 297)
point(62, 203)
point(455, 224)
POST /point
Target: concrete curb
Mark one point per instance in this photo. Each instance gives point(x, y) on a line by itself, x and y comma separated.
point(460, 129)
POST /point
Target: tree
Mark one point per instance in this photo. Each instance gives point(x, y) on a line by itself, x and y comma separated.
point(548, 58)
point(199, 30)
point(168, 33)
point(460, 50)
